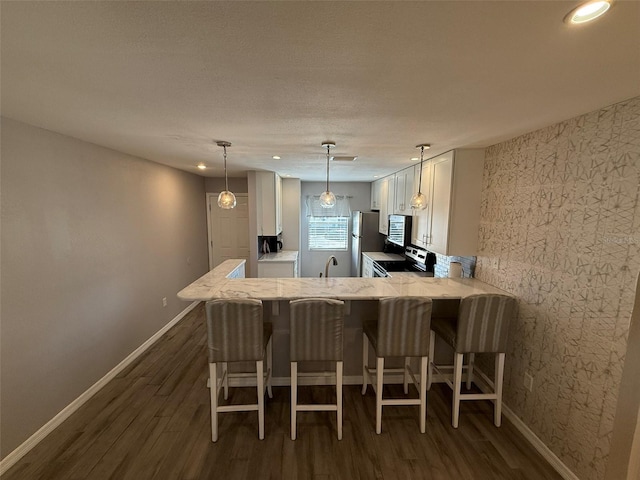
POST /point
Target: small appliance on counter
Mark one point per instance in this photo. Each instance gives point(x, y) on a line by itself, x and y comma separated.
point(269, 244)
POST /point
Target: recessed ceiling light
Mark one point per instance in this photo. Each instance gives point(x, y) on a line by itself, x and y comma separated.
point(415, 159)
point(276, 157)
point(587, 11)
point(202, 166)
point(376, 176)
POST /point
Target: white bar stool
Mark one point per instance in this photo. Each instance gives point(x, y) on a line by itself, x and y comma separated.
point(482, 326)
point(402, 330)
point(237, 333)
point(316, 329)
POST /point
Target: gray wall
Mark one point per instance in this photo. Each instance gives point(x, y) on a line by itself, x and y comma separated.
point(291, 207)
point(560, 229)
point(92, 239)
point(216, 184)
point(312, 263)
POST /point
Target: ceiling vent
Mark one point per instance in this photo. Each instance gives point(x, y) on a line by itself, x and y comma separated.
point(343, 158)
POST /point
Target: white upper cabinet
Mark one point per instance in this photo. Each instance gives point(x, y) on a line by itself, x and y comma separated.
point(269, 204)
point(403, 191)
point(376, 188)
point(422, 218)
point(385, 192)
point(452, 183)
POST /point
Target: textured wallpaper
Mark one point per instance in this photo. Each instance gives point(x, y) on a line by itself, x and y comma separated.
point(560, 228)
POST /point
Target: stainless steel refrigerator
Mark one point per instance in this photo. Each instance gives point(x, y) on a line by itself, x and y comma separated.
point(364, 238)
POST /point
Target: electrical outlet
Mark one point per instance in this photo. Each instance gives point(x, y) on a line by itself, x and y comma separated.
point(528, 381)
point(164, 301)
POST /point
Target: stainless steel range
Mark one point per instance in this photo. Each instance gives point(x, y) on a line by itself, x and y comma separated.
point(417, 260)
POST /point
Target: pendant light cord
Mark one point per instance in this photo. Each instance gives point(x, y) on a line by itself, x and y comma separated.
point(226, 181)
point(421, 157)
point(328, 147)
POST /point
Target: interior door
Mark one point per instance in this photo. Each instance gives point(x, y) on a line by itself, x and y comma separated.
point(228, 230)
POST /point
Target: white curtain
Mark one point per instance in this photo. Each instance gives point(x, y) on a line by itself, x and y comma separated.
point(342, 208)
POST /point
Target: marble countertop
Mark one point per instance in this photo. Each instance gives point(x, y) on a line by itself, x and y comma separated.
point(216, 285)
point(381, 256)
point(281, 256)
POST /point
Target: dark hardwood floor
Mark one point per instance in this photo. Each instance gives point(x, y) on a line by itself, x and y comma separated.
point(152, 422)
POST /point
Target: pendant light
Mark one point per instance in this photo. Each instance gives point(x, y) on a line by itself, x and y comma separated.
point(328, 199)
point(419, 200)
point(226, 199)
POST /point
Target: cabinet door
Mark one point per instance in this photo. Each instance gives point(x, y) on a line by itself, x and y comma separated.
point(403, 191)
point(383, 225)
point(269, 191)
point(441, 178)
point(367, 267)
point(422, 218)
point(276, 269)
point(400, 185)
point(278, 202)
point(375, 194)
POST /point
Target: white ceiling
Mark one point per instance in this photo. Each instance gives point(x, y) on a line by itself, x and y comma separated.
point(163, 80)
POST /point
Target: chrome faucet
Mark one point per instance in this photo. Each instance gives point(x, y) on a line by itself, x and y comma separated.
point(333, 259)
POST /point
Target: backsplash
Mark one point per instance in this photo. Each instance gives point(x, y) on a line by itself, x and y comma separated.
point(559, 229)
point(442, 265)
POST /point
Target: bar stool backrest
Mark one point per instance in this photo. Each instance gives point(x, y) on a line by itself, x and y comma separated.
point(483, 323)
point(234, 330)
point(316, 329)
point(404, 324)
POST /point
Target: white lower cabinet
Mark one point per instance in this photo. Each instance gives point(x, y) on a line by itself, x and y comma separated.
point(279, 265)
point(367, 266)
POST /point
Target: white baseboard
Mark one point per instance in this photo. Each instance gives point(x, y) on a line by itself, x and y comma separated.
point(8, 461)
point(531, 437)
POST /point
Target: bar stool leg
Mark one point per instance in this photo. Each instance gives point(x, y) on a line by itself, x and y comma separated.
point(405, 375)
point(260, 381)
point(432, 344)
point(379, 387)
point(225, 384)
point(424, 365)
point(472, 361)
point(339, 398)
point(294, 397)
point(213, 395)
point(269, 366)
point(499, 376)
point(457, 384)
point(365, 362)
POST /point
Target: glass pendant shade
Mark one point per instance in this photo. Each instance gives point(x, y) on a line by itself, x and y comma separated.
point(419, 201)
point(327, 199)
point(226, 200)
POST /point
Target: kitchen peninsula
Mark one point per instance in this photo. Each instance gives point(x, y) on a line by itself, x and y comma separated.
point(360, 296)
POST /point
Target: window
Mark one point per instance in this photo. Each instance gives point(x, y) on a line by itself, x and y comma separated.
point(328, 233)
